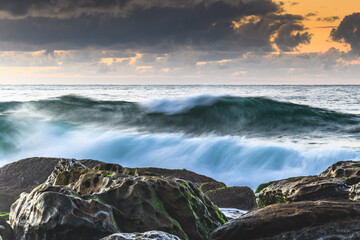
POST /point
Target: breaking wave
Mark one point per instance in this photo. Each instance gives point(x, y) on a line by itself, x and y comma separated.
point(225, 115)
point(215, 136)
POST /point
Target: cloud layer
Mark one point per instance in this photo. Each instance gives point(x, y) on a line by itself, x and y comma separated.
point(171, 41)
point(161, 25)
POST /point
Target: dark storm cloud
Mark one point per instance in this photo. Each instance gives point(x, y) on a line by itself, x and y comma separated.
point(71, 8)
point(349, 31)
point(146, 25)
point(287, 30)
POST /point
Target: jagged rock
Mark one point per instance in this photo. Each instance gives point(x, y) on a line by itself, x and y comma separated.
point(233, 197)
point(90, 163)
point(304, 188)
point(6, 232)
point(138, 203)
point(62, 166)
point(344, 169)
point(151, 235)
point(299, 220)
point(354, 193)
point(56, 212)
point(24, 175)
point(211, 186)
point(148, 202)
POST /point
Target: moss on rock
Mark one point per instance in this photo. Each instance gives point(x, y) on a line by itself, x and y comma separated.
point(266, 200)
point(140, 200)
point(5, 215)
point(262, 186)
point(211, 186)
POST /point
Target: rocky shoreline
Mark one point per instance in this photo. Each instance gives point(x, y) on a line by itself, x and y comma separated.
point(51, 198)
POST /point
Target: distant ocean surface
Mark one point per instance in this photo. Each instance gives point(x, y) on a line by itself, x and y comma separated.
point(241, 135)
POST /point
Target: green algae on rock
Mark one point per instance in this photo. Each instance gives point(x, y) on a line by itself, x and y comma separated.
point(211, 186)
point(5, 215)
point(304, 188)
point(134, 200)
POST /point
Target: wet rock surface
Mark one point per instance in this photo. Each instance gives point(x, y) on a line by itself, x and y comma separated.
point(340, 181)
point(6, 232)
point(346, 169)
point(314, 207)
point(55, 212)
point(24, 175)
point(151, 235)
point(89, 199)
point(233, 197)
point(81, 203)
point(304, 188)
point(298, 220)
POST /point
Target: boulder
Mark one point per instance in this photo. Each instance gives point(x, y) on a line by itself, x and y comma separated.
point(6, 232)
point(304, 188)
point(24, 175)
point(344, 169)
point(233, 197)
point(64, 165)
point(134, 202)
point(151, 235)
point(57, 212)
point(298, 220)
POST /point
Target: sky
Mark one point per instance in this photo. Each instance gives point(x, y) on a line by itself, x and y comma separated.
point(179, 42)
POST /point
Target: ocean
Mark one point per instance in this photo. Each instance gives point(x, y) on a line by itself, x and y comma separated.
point(240, 135)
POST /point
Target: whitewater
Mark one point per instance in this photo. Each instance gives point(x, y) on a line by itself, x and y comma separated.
point(241, 135)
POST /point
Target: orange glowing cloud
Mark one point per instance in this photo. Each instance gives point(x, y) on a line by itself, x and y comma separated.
point(321, 17)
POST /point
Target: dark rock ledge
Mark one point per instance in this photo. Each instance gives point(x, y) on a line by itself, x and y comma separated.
point(77, 202)
point(89, 199)
point(303, 208)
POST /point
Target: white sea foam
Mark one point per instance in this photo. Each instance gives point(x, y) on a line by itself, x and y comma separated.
point(233, 213)
point(233, 160)
point(273, 148)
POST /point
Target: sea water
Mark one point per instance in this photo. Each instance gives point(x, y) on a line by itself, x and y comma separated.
point(241, 135)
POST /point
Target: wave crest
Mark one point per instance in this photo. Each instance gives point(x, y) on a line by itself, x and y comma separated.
point(223, 115)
